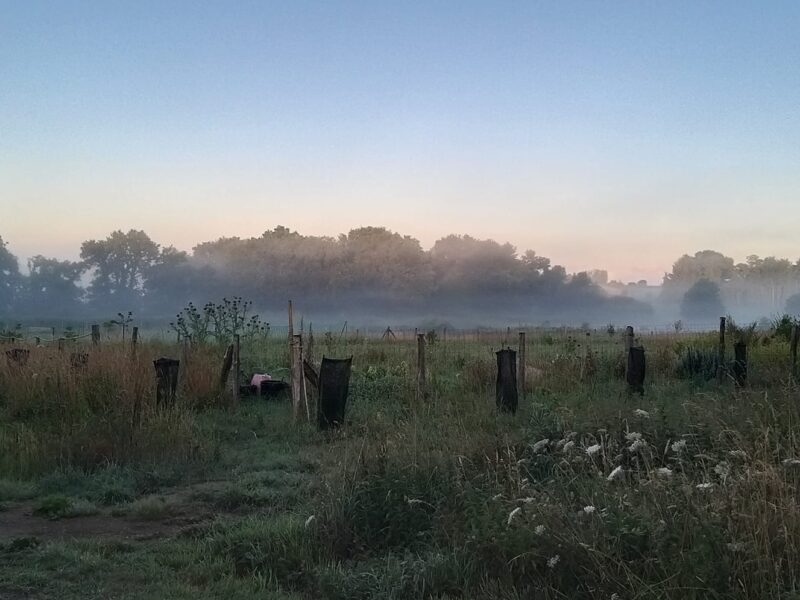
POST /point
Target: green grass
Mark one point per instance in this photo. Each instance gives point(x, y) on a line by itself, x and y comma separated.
point(437, 499)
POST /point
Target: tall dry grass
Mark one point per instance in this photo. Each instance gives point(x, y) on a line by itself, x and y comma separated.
point(54, 413)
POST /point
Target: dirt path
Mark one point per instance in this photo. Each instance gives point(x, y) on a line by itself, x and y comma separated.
point(19, 522)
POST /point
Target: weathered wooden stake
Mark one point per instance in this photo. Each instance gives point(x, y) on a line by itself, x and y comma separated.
point(421, 377)
point(299, 398)
point(521, 358)
point(291, 345)
point(793, 349)
point(95, 334)
point(291, 323)
point(721, 351)
point(309, 355)
point(134, 338)
point(236, 368)
point(227, 362)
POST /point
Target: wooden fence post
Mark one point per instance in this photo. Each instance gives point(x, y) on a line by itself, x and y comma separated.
point(134, 338)
point(522, 357)
point(721, 351)
point(236, 368)
point(299, 398)
point(291, 345)
point(184, 372)
point(421, 378)
point(793, 349)
point(227, 362)
point(294, 376)
point(95, 334)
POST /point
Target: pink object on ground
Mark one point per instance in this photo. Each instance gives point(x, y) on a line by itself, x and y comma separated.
point(258, 378)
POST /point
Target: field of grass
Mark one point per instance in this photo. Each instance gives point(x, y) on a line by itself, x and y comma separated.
point(587, 492)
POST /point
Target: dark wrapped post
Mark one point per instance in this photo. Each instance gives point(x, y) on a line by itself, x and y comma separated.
point(167, 370)
point(740, 364)
point(634, 374)
point(506, 390)
point(334, 386)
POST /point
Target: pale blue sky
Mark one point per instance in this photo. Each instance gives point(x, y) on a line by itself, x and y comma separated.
point(601, 134)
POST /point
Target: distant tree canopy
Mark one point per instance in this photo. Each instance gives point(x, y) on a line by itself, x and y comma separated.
point(793, 305)
point(9, 278)
point(702, 302)
point(370, 268)
point(762, 283)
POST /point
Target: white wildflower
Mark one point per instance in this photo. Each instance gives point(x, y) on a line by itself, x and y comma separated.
point(664, 472)
point(615, 596)
point(553, 561)
point(735, 546)
point(413, 501)
point(643, 414)
point(593, 449)
point(540, 445)
point(632, 436)
point(513, 514)
point(526, 500)
point(539, 530)
point(568, 446)
point(678, 446)
point(589, 509)
point(704, 486)
point(310, 520)
point(722, 469)
point(616, 473)
point(637, 445)
point(738, 453)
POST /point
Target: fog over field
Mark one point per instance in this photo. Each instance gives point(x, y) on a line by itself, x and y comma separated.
point(373, 276)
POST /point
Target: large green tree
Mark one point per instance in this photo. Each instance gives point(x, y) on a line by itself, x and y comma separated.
point(53, 286)
point(9, 278)
point(702, 302)
point(119, 265)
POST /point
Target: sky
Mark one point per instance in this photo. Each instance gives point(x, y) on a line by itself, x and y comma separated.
point(616, 135)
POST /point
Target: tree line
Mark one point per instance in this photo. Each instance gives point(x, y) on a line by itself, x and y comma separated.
point(370, 269)
point(709, 282)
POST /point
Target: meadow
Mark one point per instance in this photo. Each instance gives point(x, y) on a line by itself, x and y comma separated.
point(588, 491)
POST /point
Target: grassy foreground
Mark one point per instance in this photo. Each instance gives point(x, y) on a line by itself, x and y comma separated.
point(689, 492)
